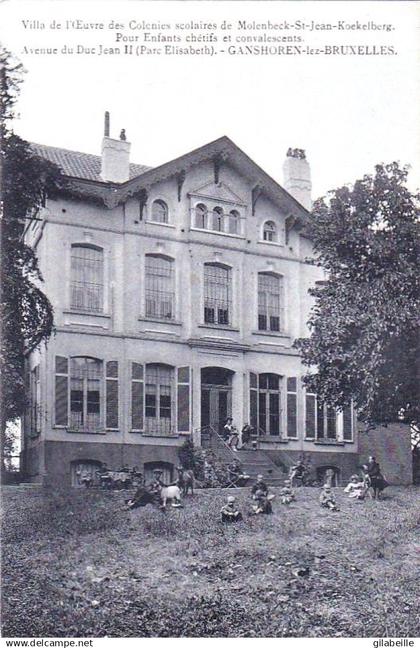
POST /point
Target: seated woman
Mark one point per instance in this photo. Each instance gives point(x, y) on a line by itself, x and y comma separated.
point(229, 512)
point(356, 488)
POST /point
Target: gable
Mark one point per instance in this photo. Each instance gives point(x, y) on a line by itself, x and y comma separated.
point(218, 192)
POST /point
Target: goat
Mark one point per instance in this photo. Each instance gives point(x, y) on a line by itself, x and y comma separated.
point(170, 493)
point(185, 481)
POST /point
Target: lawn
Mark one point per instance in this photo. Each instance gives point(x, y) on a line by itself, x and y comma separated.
point(76, 564)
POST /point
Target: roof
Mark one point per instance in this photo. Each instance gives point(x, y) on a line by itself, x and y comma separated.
point(83, 169)
point(80, 165)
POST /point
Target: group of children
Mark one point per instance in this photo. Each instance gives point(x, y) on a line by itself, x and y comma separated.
point(357, 488)
point(261, 501)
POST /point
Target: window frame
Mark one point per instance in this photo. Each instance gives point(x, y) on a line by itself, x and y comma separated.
point(275, 231)
point(229, 299)
point(84, 428)
point(281, 308)
point(161, 202)
point(158, 395)
point(172, 293)
point(104, 293)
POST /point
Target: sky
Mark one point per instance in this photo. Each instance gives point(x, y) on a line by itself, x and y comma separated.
point(347, 113)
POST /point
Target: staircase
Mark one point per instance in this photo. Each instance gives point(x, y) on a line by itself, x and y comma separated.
point(257, 462)
point(253, 462)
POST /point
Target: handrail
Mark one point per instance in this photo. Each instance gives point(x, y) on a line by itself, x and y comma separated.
point(215, 434)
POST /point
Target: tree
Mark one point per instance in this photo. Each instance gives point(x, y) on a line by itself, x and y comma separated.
point(363, 343)
point(27, 315)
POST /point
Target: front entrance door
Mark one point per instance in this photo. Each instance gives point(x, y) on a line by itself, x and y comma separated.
point(216, 406)
point(216, 397)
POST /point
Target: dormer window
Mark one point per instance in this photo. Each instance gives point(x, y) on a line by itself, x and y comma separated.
point(270, 232)
point(160, 212)
point(201, 216)
point(217, 219)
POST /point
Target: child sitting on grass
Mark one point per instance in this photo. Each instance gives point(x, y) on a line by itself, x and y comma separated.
point(229, 512)
point(263, 503)
point(287, 493)
point(356, 488)
point(327, 499)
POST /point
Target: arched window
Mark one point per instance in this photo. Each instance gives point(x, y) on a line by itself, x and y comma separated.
point(217, 219)
point(159, 287)
point(159, 401)
point(159, 211)
point(217, 294)
point(87, 278)
point(86, 394)
point(269, 231)
point(201, 216)
point(270, 305)
point(234, 222)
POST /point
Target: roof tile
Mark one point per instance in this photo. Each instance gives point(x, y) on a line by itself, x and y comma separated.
point(80, 165)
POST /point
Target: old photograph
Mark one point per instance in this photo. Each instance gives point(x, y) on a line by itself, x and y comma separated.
point(210, 297)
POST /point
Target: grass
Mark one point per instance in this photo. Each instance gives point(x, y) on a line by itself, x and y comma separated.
point(76, 564)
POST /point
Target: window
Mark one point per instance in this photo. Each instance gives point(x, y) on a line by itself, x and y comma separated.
point(326, 422)
point(217, 224)
point(159, 282)
point(217, 294)
point(269, 231)
point(269, 404)
point(87, 278)
point(234, 222)
point(201, 216)
point(159, 211)
point(269, 302)
point(158, 399)
point(86, 393)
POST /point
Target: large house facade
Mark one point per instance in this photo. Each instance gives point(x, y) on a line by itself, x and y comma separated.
point(178, 292)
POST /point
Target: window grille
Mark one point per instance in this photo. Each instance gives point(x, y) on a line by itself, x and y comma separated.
point(217, 294)
point(87, 278)
point(269, 302)
point(201, 216)
point(160, 213)
point(234, 222)
point(86, 394)
point(270, 231)
point(159, 283)
point(158, 402)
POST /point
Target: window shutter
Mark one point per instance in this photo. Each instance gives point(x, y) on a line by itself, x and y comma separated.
point(282, 306)
point(292, 408)
point(347, 424)
point(111, 381)
point(61, 390)
point(310, 419)
point(253, 400)
point(183, 399)
point(137, 397)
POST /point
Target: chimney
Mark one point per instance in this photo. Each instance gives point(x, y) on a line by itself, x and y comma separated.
point(297, 177)
point(115, 159)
